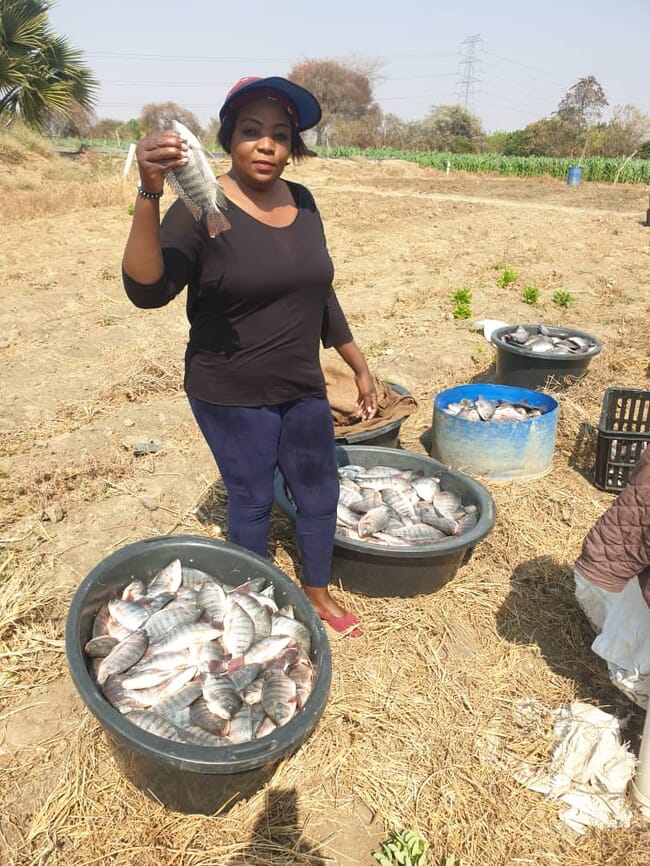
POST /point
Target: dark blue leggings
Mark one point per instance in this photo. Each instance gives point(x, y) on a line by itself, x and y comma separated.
point(248, 443)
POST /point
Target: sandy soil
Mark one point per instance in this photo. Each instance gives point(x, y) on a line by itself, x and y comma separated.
point(86, 376)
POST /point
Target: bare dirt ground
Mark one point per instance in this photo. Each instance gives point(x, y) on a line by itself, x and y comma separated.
point(419, 725)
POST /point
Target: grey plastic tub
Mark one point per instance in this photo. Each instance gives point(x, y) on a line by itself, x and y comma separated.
point(189, 778)
point(403, 571)
point(525, 369)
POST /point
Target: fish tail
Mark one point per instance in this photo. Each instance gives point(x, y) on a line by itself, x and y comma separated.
point(217, 223)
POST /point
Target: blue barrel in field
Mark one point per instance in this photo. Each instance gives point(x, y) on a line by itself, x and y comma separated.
point(501, 450)
point(574, 175)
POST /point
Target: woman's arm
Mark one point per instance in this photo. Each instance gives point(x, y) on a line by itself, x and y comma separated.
point(353, 357)
point(156, 154)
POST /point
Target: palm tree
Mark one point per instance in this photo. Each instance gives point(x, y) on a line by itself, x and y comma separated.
point(39, 71)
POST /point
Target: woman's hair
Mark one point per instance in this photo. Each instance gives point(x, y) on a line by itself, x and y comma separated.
point(298, 148)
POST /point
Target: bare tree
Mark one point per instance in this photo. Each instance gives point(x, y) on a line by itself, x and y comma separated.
point(582, 105)
point(159, 115)
point(343, 92)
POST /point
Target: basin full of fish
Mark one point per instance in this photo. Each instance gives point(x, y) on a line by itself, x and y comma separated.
point(545, 341)
point(382, 505)
point(193, 659)
point(484, 409)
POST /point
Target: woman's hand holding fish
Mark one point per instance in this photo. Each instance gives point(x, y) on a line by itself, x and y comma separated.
point(156, 154)
point(367, 401)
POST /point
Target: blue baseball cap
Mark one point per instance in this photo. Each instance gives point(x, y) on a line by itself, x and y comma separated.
point(302, 106)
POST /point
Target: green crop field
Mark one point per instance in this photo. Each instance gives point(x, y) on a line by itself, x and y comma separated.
point(595, 168)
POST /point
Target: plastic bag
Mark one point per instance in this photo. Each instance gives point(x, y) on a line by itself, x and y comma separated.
point(622, 620)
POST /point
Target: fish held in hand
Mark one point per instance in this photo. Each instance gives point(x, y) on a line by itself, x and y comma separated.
point(197, 186)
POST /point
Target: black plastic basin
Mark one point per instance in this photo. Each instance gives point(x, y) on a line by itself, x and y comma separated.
point(189, 778)
point(525, 369)
point(374, 570)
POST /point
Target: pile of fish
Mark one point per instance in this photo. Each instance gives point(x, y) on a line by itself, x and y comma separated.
point(399, 508)
point(482, 409)
point(543, 342)
point(192, 659)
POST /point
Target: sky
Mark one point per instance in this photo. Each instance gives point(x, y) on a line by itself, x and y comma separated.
point(509, 63)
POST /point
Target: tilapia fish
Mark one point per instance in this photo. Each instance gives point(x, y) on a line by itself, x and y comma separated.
point(192, 659)
point(543, 342)
point(382, 505)
point(197, 186)
point(483, 409)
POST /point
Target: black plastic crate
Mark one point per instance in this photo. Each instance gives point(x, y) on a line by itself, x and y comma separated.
point(623, 433)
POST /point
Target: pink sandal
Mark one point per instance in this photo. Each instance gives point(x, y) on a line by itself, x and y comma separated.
point(346, 625)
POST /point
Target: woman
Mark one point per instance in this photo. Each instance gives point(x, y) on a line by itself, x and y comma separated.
point(260, 300)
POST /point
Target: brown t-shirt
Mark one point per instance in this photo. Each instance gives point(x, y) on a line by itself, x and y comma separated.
point(259, 302)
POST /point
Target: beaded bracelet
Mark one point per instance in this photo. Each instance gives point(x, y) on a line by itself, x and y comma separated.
point(150, 195)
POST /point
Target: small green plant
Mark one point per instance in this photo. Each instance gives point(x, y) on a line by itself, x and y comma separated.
point(403, 849)
point(563, 298)
point(530, 295)
point(462, 299)
point(106, 320)
point(462, 311)
point(508, 275)
point(130, 209)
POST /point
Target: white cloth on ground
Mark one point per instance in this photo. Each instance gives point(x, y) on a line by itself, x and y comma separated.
point(589, 771)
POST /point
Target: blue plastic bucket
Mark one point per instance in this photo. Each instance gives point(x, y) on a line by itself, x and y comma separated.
point(574, 175)
point(500, 450)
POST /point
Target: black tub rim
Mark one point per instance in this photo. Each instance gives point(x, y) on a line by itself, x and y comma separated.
point(186, 757)
point(487, 510)
point(550, 358)
point(387, 429)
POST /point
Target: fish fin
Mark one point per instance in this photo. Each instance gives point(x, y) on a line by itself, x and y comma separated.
point(217, 223)
point(220, 198)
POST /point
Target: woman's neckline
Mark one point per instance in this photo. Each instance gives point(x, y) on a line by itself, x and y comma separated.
point(295, 210)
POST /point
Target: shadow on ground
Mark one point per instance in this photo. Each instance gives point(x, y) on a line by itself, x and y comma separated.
point(277, 837)
point(541, 610)
point(583, 455)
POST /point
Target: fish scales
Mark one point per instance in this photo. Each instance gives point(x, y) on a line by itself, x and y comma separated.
point(172, 685)
point(419, 510)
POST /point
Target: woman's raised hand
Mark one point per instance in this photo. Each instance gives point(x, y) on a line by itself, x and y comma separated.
point(156, 153)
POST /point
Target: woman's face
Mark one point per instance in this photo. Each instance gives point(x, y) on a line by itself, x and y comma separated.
point(261, 143)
